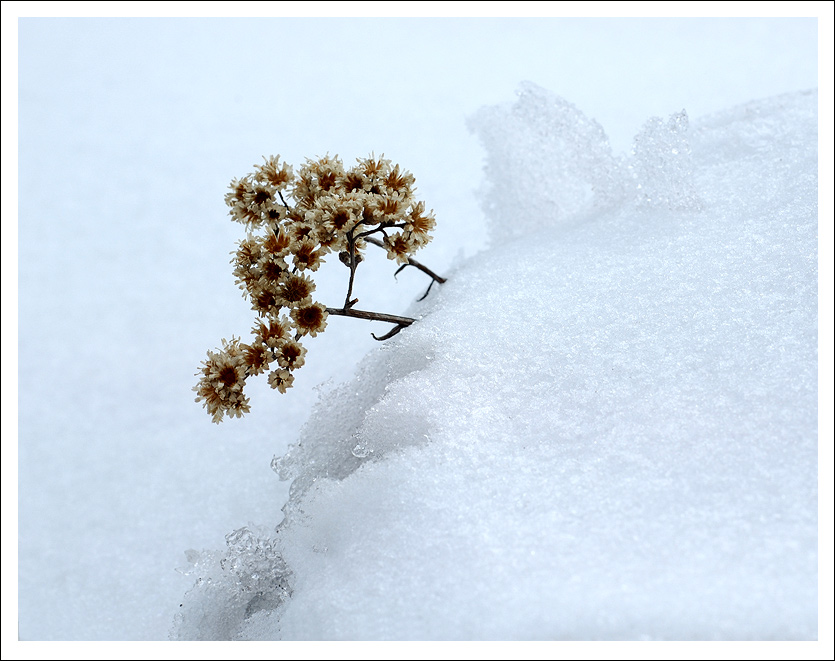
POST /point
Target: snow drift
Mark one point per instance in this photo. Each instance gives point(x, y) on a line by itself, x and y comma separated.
point(603, 426)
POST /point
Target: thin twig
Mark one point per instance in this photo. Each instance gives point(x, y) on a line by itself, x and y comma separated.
point(372, 316)
point(394, 331)
point(412, 262)
point(380, 228)
point(352, 256)
point(401, 322)
point(426, 293)
point(347, 309)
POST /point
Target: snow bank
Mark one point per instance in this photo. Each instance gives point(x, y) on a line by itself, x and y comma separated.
point(603, 427)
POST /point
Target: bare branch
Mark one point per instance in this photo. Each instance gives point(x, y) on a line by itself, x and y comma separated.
point(412, 262)
point(372, 316)
point(401, 322)
point(394, 331)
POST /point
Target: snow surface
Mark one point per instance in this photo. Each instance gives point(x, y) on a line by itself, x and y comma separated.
point(607, 326)
point(604, 425)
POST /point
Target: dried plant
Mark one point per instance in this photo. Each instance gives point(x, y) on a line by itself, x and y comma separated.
point(293, 221)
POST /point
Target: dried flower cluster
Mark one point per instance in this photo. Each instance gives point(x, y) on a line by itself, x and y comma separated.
point(293, 221)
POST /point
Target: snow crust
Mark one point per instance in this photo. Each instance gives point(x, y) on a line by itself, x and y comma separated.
point(603, 426)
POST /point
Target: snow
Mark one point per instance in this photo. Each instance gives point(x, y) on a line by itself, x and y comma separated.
point(604, 425)
point(600, 429)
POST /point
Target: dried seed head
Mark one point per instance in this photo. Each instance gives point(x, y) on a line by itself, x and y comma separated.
point(294, 219)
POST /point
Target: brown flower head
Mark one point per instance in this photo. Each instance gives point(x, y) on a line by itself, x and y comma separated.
point(418, 221)
point(391, 208)
point(370, 214)
point(310, 319)
point(399, 183)
point(306, 256)
point(248, 252)
point(301, 230)
point(291, 355)
point(295, 289)
point(237, 201)
point(335, 217)
point(264, 300)
point(320, 177)
point(273, 333)
point(260, 199)
point(245, 262)
point(221, 385)
point(275, 214)
point(281, 379)
point(341, 214)
point(239, 189)
point(354, 181)
point(399, 247)
point(374, 167)
point(277, 242)
point(279, 177)
point(257, 357)
point(272, 270)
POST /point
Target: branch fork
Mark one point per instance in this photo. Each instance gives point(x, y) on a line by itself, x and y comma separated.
point(347, 310)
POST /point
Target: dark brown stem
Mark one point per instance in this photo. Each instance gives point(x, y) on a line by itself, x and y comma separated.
point(428, 289)
point(372, 316)
point(394, 331)
point(401, 322)
point(379, 228)
point(352, 256)
point(412, 262)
